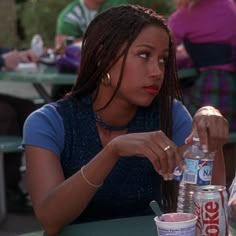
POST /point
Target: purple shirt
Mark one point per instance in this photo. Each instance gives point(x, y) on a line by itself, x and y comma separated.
point(209, 21)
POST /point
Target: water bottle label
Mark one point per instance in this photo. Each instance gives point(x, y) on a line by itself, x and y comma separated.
point(197, 172)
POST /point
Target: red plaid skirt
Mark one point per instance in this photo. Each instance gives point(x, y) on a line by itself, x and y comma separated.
point(216, 88)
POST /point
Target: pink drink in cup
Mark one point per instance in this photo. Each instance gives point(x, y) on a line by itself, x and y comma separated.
point(176, 224)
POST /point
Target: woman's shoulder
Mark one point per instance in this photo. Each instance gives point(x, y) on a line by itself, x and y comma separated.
point(44, 128)
point(180, 113)
point(177, 103)
point(46, 116)
point(182, 122)
point(47, 110)
point(179, 107)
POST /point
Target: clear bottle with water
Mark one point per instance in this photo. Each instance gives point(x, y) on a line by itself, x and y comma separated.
point(198, 172)
point(37, 44)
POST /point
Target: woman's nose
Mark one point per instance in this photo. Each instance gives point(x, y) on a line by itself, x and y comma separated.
point(156, 70)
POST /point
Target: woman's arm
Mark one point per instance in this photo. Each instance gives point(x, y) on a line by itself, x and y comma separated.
point(57, 201)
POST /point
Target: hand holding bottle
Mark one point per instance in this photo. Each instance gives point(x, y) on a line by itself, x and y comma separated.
point(155, 146)
point(212, 128)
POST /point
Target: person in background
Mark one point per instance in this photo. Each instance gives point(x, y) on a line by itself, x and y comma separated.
point(209, 36)
point(76, 16)
point(13, 112)
point(110, 146)
point(72, 23)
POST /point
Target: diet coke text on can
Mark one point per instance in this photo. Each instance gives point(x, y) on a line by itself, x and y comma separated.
point(210, 205)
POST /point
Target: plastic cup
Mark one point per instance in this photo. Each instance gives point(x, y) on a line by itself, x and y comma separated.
point(176, 224)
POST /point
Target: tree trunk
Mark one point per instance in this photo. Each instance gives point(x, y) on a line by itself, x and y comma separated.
point(8, 35)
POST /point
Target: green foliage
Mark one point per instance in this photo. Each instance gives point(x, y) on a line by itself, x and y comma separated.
point(162, 7)
point(39, 16)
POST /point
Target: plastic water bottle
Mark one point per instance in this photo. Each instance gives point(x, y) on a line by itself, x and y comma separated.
point(198, 172)
point(37, 44)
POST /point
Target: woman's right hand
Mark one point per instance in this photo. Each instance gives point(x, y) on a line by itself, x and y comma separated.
point(156, 146)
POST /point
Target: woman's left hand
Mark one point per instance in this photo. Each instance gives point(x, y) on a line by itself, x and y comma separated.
point(212, 128)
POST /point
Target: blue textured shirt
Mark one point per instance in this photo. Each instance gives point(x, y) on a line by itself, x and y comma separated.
point(68, 128)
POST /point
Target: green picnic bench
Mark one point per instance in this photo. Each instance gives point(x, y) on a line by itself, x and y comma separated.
point(7, 144)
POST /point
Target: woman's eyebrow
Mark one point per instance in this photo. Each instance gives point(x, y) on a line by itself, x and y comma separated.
point(150, 47)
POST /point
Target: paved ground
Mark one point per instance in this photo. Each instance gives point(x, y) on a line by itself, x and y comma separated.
point(16, 224)
point(19, 89)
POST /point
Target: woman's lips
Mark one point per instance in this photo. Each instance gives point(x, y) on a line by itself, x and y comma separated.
point(153, 90)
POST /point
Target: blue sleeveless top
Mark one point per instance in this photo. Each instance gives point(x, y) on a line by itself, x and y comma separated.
point(132, 183)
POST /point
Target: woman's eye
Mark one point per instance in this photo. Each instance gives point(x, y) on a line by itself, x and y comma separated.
point(162, 60)
point(144, 55)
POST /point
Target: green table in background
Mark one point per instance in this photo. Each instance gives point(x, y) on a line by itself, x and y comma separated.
point(43, 74)
point(48, 74)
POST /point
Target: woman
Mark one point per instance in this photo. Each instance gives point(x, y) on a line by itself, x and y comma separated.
point(105, 150)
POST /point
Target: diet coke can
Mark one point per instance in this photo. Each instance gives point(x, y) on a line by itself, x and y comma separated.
point(210, 205)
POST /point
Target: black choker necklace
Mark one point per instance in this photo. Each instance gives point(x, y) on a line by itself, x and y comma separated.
point(107, 126)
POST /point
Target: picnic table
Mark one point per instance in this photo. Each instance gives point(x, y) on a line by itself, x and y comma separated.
point(43, 74)
point(48, 74)
point(138, 226)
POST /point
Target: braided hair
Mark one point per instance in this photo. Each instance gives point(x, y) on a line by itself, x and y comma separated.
point(107, 39)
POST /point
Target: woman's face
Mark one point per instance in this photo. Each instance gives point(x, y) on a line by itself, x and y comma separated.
point(144, 68)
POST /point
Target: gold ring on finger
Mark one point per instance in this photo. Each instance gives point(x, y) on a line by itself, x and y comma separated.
point(166, 148)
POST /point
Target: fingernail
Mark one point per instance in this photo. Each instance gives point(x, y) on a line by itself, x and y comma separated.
point(170, 177)
point(166, 177)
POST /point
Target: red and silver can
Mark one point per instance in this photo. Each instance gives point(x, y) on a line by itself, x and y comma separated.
point(210, 205)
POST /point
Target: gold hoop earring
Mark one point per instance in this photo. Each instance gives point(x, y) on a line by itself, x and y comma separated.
point(106, 80)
